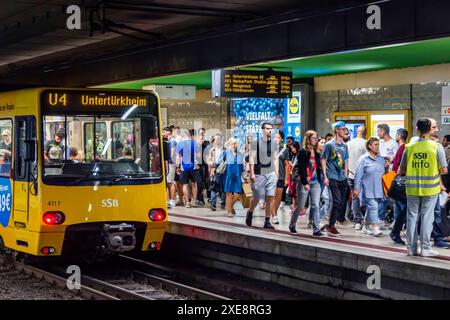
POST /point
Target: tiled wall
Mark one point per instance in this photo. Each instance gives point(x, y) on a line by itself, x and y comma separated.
point(425, 100)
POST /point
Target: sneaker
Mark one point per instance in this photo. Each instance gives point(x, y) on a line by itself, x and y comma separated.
point(275, 220)
point(267, 225)
point(212, 207)
point(397, 239)
point(413, 252)
point(366, 230)
point(358, 226)
point(292, 230)
point(195, 204)
point(248, 218)
point(172, 203)
point(309, 225)
point(429, 253)
point(187, 205)
point(318, 234)
point(282, 204)
point(441, 244)
point(376, 232)
point(332, 231)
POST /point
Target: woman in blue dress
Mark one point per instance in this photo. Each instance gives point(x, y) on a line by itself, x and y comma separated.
point(233, 179)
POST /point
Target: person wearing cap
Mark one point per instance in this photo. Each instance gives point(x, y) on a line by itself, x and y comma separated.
point(5, 147)
point(334, 161)
point(55, 144)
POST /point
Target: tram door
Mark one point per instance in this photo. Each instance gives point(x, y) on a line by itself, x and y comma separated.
point(25, 156)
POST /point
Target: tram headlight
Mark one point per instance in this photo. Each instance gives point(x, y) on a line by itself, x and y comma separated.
point(53, 217)
point(157, 215)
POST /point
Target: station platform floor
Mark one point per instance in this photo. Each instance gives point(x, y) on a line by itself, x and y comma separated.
point(350, 240)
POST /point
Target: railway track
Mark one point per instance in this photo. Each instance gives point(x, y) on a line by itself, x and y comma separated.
point(136, 285)
point(141, 285)
point(54, 279)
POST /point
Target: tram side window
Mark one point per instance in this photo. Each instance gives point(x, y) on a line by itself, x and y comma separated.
point(5, 147)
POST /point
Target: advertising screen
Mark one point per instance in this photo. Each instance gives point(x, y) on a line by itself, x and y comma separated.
point(252, 112)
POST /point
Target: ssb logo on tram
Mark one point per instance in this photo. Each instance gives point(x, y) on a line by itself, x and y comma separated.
point(109, 203)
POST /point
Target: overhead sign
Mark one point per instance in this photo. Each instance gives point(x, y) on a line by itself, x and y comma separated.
point(251, 84)
point(76, 101)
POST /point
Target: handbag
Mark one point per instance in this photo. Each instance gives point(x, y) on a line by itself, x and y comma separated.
point(397, 190)
point(387, 181)
point(220, 170)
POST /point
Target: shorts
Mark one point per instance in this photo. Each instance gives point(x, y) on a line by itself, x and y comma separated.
point(280, 184)
point(264, 186)
point(170, 178)
point(193, 176)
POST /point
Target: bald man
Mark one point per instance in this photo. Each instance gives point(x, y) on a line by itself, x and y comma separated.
point(356, 148)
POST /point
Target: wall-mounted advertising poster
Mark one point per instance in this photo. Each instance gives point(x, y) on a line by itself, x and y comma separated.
point(292, 111)
point(250, 113)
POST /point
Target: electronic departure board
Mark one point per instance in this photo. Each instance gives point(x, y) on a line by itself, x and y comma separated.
point(251, 84)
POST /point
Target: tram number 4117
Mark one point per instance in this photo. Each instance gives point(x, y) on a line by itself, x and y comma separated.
point(5, 202)
point(53, 203)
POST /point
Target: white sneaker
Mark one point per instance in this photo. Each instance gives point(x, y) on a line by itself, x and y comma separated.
point(282, 204)
point(382, 225)
point(376, 232)
point(429, 253)
point(413, 252)
point(358, 226)
point(275, 220)
point(172, 203)
point(367, 231)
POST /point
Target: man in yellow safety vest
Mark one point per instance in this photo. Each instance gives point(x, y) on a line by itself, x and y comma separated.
point(423, 162)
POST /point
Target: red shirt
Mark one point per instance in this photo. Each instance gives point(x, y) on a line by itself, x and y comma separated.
point(398, 158)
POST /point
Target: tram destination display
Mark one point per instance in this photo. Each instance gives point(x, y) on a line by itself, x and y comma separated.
point(63, 101)
point(251, 84)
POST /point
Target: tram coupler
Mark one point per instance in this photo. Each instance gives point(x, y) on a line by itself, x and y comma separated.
point(118, 237)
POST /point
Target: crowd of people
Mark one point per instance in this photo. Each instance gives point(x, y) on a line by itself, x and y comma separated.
point(334, 180)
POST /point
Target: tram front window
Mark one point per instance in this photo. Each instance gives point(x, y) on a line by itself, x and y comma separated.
point(110, 148)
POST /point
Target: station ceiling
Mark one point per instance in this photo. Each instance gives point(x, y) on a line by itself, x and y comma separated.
point(33, 33)
point(421, 53)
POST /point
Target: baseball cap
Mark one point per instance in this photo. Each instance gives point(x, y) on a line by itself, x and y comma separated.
point(338, 124)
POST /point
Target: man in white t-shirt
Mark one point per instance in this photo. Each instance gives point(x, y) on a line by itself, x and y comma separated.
point(356, 148)
point(388, 146)
point(388, 149)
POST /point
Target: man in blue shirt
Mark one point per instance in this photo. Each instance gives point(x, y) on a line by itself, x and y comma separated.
point(335, 171)
point(188, 167)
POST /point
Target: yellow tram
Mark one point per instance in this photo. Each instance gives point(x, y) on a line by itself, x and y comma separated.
point(81, 172)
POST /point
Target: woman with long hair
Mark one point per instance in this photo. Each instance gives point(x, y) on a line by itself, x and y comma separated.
point(233, 180)
point(308, 167)
point(368, 185)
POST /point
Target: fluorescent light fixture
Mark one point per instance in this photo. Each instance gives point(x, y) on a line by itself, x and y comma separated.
point(129, 111)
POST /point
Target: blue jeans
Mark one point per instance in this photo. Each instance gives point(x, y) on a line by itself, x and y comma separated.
point(213, 199)
point(326, 208)
point(356, 206)
point(383, 206)
point(423, 207)
point(437, 232)
point(372, 210)
point(400, 217)
point(314, 213)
